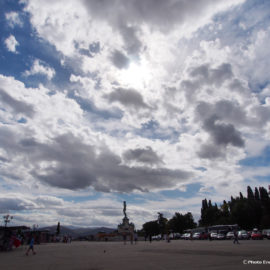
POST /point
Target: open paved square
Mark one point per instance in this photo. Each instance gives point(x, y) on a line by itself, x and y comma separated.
point(179, 254)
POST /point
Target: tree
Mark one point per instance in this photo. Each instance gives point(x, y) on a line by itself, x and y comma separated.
point(179, 222)
point(241, 196)
point(263, 194)
point(209, 214)
point(162, 221)
point(151, 228)
point(257, 195)
point(265, 203)
point(250, 194)
point(225, 213)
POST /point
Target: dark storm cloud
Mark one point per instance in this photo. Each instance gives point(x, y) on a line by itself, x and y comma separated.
point(127, 97)
point(223, 109)
point(72, 164)
point(16, 105)
point(214, 76)
point(204, 75)
point(262, 115)
point(129, 34)
point(219, 121)
point(120, 60)
point(210, 151)
point(127, 16)
point(2, 159)
point(159, 13)
point(223, 134)
point(238, 86)
point(15, 204)
point(232, 112)
point(147, 156)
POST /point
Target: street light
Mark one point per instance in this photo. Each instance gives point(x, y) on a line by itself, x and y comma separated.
point(7, 218)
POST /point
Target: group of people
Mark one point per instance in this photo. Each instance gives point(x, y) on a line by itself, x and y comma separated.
point(133, 238)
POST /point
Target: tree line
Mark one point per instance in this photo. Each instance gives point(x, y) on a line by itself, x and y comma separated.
point(248, 212)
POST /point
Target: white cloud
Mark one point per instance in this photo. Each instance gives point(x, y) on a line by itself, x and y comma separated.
point(13, 19)
point(11, 44)
point(39, 67)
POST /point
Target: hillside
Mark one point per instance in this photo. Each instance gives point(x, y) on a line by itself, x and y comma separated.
point(77, 231)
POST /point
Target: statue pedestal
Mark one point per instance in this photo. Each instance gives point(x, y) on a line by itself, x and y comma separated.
point(125, 227)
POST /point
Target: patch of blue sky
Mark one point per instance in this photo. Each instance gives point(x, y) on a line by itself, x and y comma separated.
point(136, 199)
point(191, 191)
point(93, 49)
point(88, 106)
point(236, 24)
point(263, 179)
point(30, 47)
point(83, 198)
point(262, 160)
point(202, 169)
point(22, 120)
point(152, 130)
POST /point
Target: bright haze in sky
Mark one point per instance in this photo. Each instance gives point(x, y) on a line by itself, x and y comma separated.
point(157, 103)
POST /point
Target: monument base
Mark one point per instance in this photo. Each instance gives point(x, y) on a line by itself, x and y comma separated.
point(126, 229)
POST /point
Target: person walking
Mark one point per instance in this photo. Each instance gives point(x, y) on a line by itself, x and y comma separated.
point(31, 246)
point(135, 238)
point(235, 239)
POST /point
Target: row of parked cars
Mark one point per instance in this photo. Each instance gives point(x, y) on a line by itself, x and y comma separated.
point(222, 235)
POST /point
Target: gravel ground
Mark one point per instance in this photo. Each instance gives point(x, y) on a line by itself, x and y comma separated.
point(178, 254)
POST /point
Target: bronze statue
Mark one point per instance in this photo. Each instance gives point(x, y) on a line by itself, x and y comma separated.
point(124, 210)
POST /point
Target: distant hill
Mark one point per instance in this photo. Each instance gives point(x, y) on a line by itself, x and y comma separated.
point(77, 231)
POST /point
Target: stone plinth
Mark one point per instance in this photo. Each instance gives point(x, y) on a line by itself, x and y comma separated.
point(125, 227)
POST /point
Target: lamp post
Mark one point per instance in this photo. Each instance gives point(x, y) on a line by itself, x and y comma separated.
point(7, 218)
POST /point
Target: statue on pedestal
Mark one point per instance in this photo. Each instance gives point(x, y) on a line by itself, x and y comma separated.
point(126, 228)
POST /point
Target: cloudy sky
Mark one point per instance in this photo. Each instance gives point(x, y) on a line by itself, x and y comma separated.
point(158, 103)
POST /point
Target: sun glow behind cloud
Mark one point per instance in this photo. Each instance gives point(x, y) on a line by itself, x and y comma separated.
point(138, 75)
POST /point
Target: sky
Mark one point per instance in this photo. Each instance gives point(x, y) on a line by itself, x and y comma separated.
point(157, 103)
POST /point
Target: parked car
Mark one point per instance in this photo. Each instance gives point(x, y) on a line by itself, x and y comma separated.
point(256, 235)
point(243, 235)
point(197, 236)
point(156, 237)
point(213, 235)
point(200, 236)
point(265, 232)
point(185, 236)
point(230, 235)
point(175, 235)
point(221, 236)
